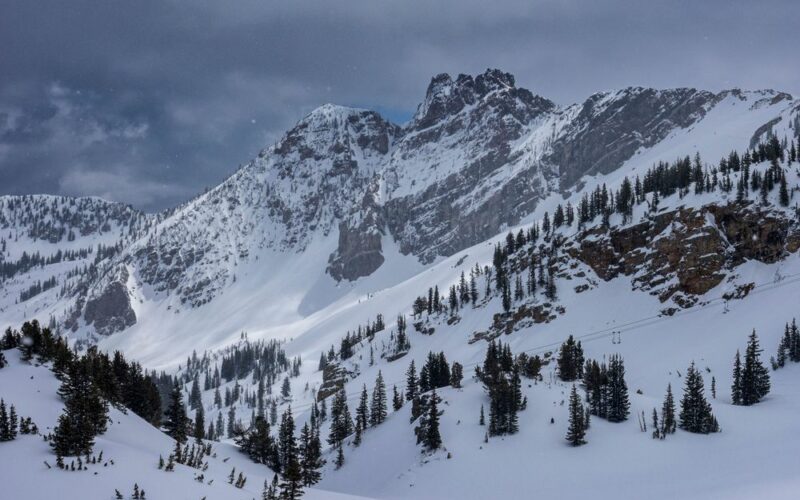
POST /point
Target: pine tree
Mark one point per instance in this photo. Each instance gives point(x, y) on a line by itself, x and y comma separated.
point(794, 347)
point(378, 408)
point(258, 445)
point(199, 424)
point(656, 427)
point(506, 296)
point(286, 440)
point(177, 419)
point(736, 387)
point(577, 420)
point(286, 388)
point(339, 462)
point(570, 360)
point(754, 380)
point(696, 415)
point(783, 192)
point(273, 412)
point(292, 480)
point(433, 440)
point(311, 460)
point(397, 399)
point(482, 419)
point(668, 424)
point(617, 391)
point(85, 412)
point(456, 375)
point(784, 347)
point(416, 408)
point(341, 421)
point(362, 411)
point(412, 384)
point(270, 491)
point(5, 426)
point(195, 398)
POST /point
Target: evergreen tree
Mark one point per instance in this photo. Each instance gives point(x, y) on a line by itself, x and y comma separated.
point(412, 384)
point(668, 424)
point(378, 408)
point(273, 412)
point(577, 420)
point(416, 408)
point(794, 344)
point(341, 421)
point(456, 375)
point(195, 398)
point(286, 388)
point(783, 192)
point(286, 441)
point(270, 490)
point(433, 440)
point(570, 360)
point(397, 399)
point(339, 462)
point(292, 478)
point(85, 412)
point(617, 391)
point(362, 411)
point(656, 426)
point(5, 425)
point(784, 347)
point(696, 415)
point(754, 379)
point(199, 424)
point(177, 420)
point(258, 445)
point(736, 387)
point(311, 460)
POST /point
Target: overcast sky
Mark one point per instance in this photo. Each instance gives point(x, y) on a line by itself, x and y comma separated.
point(149, 101)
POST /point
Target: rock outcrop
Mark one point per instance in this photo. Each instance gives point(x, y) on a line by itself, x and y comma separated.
point(684, 253)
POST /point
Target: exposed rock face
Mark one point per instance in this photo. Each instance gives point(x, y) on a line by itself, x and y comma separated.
point(359, 252)
point(610, 127)
point(473, 122)
point(687, 251)
point(110, 311)
point(333, 380)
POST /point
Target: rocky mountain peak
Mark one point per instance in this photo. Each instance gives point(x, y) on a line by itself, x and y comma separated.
point(332, 130)
point(446, 97)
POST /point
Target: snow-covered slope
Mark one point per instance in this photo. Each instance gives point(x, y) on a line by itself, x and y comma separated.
point(130, 450)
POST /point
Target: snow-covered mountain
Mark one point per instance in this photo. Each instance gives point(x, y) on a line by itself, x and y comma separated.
point(347, 189)
point(660, 244)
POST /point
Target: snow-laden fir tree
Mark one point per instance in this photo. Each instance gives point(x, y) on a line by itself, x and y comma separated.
point(668, 424)
point(311, 460)
point(341, 421)
point(177, 421)
point(378, 409)
point(570, 360)
point(412, 383)
point(696, 415)
point(85, 412)
point(751, 381)
point(576, 432)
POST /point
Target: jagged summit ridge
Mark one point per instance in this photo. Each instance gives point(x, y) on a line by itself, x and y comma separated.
point(480, 154)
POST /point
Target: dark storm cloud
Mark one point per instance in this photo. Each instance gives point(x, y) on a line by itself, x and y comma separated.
point(148, 102)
